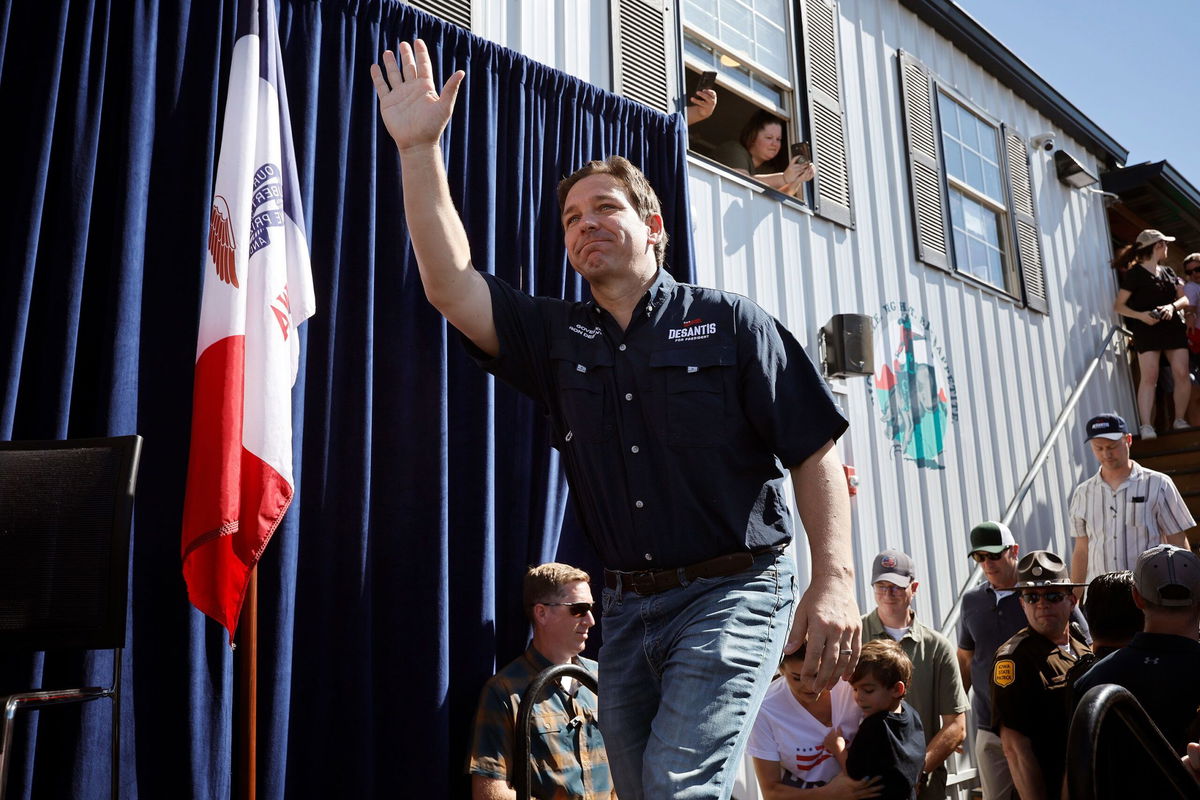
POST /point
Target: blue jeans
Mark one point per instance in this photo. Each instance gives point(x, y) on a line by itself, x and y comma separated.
point(682, 674)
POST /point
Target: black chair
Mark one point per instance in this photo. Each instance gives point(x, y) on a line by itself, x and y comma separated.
point(523, 780)
point(1114, 750)
point(65, 512)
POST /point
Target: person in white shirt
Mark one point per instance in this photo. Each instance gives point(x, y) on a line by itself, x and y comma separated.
point(789, 740)
point(1122, 510)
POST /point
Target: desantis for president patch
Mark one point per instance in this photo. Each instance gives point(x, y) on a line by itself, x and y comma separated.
point(1004, 672)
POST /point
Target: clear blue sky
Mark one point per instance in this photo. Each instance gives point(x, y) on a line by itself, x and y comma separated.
point(1132, 66)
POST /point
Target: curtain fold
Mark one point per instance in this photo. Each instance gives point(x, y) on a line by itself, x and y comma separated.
point(392, 589)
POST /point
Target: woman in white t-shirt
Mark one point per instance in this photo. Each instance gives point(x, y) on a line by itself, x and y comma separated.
point(788, 740)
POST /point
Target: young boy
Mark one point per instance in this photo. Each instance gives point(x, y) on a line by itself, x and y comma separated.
point(891, 742)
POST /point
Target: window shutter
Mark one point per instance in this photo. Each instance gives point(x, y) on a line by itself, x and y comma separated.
point(924, 175)
point(831, 186)
point(640, 52)
point(1024, 221)
point(455, 11)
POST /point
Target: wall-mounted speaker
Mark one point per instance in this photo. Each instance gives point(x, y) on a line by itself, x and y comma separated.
point(849, 345)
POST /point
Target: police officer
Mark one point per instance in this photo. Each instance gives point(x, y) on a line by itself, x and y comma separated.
point(1031, 698)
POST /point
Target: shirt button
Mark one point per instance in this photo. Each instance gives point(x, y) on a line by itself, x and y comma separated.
point(639, 504)
point(629, 395)
point(649, 557)
point(621, 347)
point(633, 449)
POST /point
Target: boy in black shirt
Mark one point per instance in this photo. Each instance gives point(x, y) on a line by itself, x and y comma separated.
point(891, 741)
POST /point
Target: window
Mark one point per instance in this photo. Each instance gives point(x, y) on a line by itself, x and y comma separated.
point(778, 56)
point(971, 193)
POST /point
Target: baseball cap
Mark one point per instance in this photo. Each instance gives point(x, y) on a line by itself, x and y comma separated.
point(1042, 568)
point(1107, 426)
point(1151, 236)
point(1168, 576)
point(991, 537)
point(894, 567)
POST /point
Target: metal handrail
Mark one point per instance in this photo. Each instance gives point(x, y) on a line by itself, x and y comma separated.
point(522, 778)
point(1060, 423)
point(1105, 705)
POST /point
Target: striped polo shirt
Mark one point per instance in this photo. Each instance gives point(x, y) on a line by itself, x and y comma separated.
point(1122, 524)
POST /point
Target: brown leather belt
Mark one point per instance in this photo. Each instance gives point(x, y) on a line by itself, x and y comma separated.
point(653, 581)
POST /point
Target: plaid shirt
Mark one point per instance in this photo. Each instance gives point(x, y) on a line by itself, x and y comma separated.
point(1121, 525)
point(568, 756)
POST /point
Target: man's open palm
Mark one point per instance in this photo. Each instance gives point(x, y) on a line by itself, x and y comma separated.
point(412, 111)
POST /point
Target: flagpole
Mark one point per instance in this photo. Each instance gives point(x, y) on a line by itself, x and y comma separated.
point(247, 682)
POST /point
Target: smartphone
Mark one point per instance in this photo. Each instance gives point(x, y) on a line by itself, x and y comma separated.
point(707, 81)
point(803, 150)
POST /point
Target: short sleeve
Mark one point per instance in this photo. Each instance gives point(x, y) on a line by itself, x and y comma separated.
point(1128, 280)
point(1171, 514)
point(952, 698)
point(869, 749)
point(784, 398)
point(965, 640)
point(762, 739)
point(1077, 511)
point(523, 361)
point(1011, 683)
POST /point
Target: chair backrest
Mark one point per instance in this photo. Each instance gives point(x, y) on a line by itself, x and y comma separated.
point(65, 513)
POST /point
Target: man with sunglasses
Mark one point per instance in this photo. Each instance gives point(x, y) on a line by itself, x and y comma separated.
point(1031, 696)
point(567, 749)
point(935, 690)
point(991, 615)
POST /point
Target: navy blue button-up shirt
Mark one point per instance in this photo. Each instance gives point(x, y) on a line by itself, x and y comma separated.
point(675, 431)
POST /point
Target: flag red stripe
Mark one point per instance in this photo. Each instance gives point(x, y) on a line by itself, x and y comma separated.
point(234, 499)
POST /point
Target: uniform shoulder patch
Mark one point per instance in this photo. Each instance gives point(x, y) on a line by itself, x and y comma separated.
point(1004, 672)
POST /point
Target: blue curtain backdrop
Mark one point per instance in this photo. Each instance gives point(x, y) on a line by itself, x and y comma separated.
point(392, 589)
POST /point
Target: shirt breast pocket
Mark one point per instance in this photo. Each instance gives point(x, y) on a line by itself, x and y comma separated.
point(1135, 514)
point(583, 377)
point(694, 387)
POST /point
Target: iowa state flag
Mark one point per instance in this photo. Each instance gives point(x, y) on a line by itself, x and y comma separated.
point(257, 289)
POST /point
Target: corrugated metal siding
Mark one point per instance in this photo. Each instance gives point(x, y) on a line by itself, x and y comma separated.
point(1013, 369)
point(575, 37)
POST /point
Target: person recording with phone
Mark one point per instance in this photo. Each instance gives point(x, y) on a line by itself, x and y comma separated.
point(1152, 301)
point(756, 151)
point(703, 101)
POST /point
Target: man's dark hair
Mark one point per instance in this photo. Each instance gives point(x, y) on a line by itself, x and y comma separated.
point(637, 188)
point(1111, 614)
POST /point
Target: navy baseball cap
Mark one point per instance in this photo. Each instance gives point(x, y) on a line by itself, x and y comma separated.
point(1107, 426)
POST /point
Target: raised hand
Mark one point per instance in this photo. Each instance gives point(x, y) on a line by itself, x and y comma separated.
point(411, 108)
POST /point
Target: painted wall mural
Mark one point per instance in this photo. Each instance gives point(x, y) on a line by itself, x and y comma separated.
point(913, 386)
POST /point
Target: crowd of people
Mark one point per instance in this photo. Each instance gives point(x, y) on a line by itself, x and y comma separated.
point(700, 598)
point(1033, 637)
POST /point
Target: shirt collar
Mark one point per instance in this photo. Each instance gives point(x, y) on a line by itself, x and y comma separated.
point(873, 626)
point(1135, 471)
point(655, 298)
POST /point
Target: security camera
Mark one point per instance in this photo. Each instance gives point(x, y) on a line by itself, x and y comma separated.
point(1043, 141)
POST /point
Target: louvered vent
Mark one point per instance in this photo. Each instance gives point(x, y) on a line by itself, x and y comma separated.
point(641, 53)
point(455, 11)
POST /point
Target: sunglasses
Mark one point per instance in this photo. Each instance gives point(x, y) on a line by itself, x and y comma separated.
point(576, 609)
point(1032, 598)
point(981, 556)
point(1192, 271)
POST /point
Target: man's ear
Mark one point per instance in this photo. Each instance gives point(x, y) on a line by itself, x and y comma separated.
point(655, 223)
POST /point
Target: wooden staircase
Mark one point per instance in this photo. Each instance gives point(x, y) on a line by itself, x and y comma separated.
point(1177, 454)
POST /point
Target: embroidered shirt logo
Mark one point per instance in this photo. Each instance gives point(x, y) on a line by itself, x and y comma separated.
point(587, 333)
point(692, 329)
